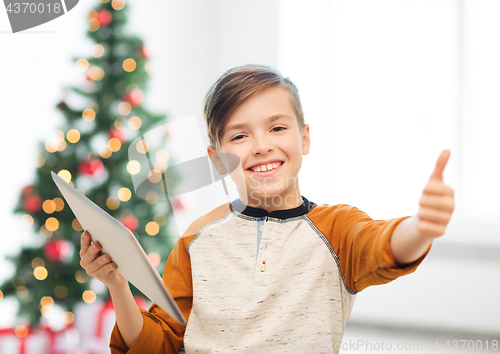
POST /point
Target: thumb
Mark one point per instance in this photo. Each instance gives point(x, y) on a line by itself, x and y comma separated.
point(442, 160)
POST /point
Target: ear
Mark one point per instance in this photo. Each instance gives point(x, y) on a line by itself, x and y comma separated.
point(306, 140)
point(216, 160)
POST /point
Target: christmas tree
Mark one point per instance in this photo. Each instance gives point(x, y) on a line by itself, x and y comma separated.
point(89, 151)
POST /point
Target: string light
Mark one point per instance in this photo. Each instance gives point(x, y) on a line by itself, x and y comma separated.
point(160, 219)
point(124, 194)
point(93, 24)
point(49, 206)
point(162, 155)
point(76, 225)
point(51, 146)
point(120, 122)
point(60, 291)
point(160, 166)
point(73, 135)
point(81, 276)
point(152, 197)
point(69, 317)
point(118, 4)
point(89, 296)
point(52, 224)
point(37, 262)
point(97, 50)
point(129, 65)
point(154, 176)
point(124, 108)
point(133, 167)
point(82, 65)
point(65, 175)
point(40, 273)
point(142, 146)
point(21, 331)
point(40, 161)
point(148, 68)
point(59, 203)
point(134, 122)
point(113, 203)
point(47, 301)
point(104, 152)
point(114, 144)
point(44, 232)
point(27, 220)
point(152, 228)
point(88, 114)
point(96, 73)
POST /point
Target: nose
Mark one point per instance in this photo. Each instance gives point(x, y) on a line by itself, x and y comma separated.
point(262, 144)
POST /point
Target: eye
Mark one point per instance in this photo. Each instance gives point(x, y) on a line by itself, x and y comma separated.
point(283, 128)
point(236, 137)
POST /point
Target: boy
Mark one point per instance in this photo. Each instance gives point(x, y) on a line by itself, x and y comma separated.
point(271, 271)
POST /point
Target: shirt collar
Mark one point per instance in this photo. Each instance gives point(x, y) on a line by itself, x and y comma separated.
point(302, 209)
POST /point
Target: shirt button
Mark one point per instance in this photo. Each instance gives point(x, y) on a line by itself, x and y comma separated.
point(261, 227)
point(262, 267)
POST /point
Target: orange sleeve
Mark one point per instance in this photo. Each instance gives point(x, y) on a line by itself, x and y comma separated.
point(160, 332)
point(365, 252)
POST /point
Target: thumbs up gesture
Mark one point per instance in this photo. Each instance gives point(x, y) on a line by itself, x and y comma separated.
point(437, 202)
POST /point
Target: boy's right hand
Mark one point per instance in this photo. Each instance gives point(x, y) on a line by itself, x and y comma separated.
point(99, 265)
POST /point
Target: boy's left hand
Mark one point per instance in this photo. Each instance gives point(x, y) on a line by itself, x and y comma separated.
point(437, 202)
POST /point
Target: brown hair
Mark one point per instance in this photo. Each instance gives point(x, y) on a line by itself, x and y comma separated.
point(234, 87)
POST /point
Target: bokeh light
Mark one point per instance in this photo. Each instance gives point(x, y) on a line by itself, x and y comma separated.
point(142, 146)
point(134, 122)
point(52, 224)
point(61, 291)
point(27, 220)
point(152, 228)
point(65, 175)
point(96, 73)
point(40, 273)
point(114, 144)
point(82, 65)
point(124, 194)
point(129, 65)
point(133, 167)
point(73, 136)
point(113, 202)
point(88, 114)
point(97, 50)
point(124, 108)
point(89, 296)
point(152, 197)
point(49, 206)
point(59, 203)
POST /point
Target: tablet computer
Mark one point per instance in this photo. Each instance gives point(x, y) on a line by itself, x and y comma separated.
point(121, 244)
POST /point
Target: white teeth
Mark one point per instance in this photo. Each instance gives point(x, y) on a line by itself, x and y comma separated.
point(267, 167)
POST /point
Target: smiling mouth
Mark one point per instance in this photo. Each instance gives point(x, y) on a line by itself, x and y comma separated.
point(266, 168)
point(281, 163)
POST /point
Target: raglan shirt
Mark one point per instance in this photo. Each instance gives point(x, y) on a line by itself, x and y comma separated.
point(247, 280)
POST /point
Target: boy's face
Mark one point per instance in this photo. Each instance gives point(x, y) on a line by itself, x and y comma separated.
point(266, 141)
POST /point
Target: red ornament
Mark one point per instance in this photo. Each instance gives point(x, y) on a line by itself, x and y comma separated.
point(143, 52)
point(134, 97)
point(118, 134)
point(57, 250)
point(104, 17)
point(130, 222)
point(90, 167)
point(32, 203)
point(27, 190)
